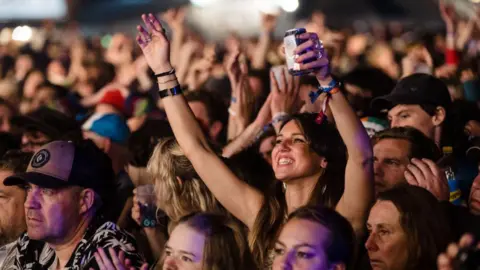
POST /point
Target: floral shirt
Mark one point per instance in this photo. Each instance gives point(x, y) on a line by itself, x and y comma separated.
point(36, 255)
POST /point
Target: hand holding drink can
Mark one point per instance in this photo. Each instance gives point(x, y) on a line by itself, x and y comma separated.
point(148, 209)
point(311, 50)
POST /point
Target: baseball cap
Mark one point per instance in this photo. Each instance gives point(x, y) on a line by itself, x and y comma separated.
point(62, 164)
point(415, 89)
point(112, 126)
point(52, 123)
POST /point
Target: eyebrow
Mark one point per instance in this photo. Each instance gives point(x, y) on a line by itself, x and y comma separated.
point(298, 245)
point(182, 251)
point(293, 134)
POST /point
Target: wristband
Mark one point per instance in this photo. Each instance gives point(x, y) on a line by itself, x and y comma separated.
point(232, 112)
point(233, 99)
point(280, 117)
point(332, 88)
point(170, 72)
point(177, 90)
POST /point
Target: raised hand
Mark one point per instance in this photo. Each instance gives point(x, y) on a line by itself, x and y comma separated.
point(154, 44)
point(174, 17)
point(284, 93)
point(269, 22)
point(313, 49)
point(115, 262)
point(426, 174)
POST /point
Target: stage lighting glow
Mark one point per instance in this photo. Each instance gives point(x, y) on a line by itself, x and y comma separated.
point(289, 5)
point(22, 33)
point(267, 6)
point(203, 3)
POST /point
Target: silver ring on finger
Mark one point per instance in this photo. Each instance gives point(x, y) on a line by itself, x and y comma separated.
point(319, 54)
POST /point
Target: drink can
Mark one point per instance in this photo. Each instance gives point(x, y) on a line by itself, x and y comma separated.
point(291, 42)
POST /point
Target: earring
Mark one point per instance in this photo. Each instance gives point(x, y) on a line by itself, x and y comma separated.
point(284, 187)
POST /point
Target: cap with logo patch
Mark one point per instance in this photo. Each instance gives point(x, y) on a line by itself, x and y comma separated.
point(62, 164)
point(415, 89)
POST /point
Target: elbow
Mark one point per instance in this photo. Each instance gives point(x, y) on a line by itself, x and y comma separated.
point(362, 151)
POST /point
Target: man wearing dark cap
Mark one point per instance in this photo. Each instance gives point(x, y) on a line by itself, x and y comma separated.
point(67, 185)
point(420, 101)
point(45, 125)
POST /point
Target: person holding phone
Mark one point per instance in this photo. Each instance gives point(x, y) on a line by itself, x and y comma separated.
point(309, 159)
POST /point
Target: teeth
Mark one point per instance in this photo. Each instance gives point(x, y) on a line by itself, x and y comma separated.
point(284, 161)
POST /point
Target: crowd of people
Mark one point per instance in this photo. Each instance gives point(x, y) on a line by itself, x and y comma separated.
point(369, 160)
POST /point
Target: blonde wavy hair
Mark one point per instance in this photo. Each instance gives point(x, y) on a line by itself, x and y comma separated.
point(178, 188)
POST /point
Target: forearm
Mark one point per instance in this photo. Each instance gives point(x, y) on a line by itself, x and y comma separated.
point(350, 128)
point(245, 139)
point(156, 239)
point(176, 44)
point(261, 50)
point(185, 126)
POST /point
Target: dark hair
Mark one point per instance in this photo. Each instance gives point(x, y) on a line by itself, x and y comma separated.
point(325, 140)
point(142, 142)
point(341, 244)
point(420, 145)
point(424, 222)
point(215, 109)
point(8, 142)
point(252, 168)
point(225, 243)
point(15, 161)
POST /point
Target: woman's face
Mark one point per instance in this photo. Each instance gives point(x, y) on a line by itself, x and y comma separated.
point(184, 249)
point(292, 157)
point(302, 245)
point(387, 244)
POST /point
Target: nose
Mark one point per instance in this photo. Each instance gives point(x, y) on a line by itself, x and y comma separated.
point(370, 244)
point(170, 263)
point(31, 202)
point(394, 122)
point(377, 168)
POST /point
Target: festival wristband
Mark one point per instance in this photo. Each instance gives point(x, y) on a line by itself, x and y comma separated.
point(177, 90)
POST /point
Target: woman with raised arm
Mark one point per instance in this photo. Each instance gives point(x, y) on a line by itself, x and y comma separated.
point(305, 160)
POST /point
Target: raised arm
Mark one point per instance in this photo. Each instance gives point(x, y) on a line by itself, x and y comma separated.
point(235, 195)
point(358, 193)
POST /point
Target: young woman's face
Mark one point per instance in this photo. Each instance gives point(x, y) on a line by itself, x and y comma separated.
point(292, 156)
point(302, 246)
point(387, 244)
point(184, 249)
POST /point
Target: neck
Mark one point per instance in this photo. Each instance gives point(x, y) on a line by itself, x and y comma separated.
point(65, 249)
point(299, 191)
point(437, 136)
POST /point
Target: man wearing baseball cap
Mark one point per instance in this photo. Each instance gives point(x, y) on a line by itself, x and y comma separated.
point(67, 187)
point(420, 101)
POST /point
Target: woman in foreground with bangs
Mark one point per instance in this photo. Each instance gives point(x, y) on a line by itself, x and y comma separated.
point(309, 159)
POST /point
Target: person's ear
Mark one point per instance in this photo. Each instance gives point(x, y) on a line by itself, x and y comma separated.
point(323, 163)
point(107, 145)
point(87, 198)
point(215, 129)
point(338, 266)
point(439, 116)
point(179, 180)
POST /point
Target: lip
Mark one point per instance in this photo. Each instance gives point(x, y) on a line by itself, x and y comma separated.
point(284, 156)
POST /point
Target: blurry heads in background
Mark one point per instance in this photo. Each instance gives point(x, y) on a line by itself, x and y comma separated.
point(381, 56)
point(32, 80)
point(119, 52)
point(209, 112)
point(9, 91)
point(407, 230)
point(23, 64)
point(107, 131)
point(420, 101)
point(45, 125)
point(12, 215)
point(207, 241)
point(364, 84)
point(315, 238)
point(141, 145)
point(57, 71)
point(6, 113)
point(393, 149)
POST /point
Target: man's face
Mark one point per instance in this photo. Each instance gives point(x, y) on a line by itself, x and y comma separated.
point(412, 116)
point(12, 218)
point(53, 215)
point(32, 141)
point(391, 157)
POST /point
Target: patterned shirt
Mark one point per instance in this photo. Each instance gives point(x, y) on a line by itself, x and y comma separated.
point(36, 255)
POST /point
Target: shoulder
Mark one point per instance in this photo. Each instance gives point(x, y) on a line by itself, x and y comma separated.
point(110, 234)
